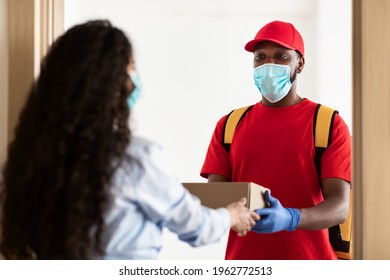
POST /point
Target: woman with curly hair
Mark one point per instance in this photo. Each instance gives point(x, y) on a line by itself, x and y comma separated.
point(76, 184)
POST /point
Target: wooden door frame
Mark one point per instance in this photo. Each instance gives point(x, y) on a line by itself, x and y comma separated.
point(371, 129)
point(357, 131)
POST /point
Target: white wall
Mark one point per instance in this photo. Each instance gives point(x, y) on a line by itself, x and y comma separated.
point(3, 78)
point(194, 69)
point(334, 67)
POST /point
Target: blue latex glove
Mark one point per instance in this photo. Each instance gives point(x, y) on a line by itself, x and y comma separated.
point(276, 217)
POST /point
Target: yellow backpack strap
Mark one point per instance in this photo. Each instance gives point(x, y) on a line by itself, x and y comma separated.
point(340, 236)
point(323, 125)
point(232, 120)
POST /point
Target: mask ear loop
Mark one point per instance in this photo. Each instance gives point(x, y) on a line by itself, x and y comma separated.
point(295, 62)
point(292, 82)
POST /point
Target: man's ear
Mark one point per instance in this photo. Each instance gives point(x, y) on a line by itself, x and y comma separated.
point(301, 64)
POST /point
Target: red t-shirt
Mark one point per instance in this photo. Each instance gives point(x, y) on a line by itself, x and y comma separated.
point(274, 147)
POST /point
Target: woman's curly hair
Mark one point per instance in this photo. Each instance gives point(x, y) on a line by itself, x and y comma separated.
point(71, 137)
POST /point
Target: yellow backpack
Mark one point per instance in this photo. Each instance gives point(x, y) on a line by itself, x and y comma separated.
point(340, 236)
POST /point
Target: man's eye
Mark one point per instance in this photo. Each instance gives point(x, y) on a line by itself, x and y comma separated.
point(281, 56)
point(259, 56)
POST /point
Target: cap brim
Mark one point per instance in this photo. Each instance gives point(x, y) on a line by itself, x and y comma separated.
point(251, 45)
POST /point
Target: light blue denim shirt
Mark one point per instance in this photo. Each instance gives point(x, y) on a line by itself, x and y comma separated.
point(146, 197)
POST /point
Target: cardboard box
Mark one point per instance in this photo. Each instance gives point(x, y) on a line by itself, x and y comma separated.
point(221, 194)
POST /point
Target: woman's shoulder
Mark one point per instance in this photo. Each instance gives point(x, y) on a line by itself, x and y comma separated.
point(141, 145)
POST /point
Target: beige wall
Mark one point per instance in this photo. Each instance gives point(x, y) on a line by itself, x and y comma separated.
point(3, 77)
point(21, 57)
point(32, 28)
point(371, 129)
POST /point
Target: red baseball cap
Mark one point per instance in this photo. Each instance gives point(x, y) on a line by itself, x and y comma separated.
point(279, 32)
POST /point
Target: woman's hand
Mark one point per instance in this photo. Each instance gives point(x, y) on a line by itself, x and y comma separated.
point(242, 219)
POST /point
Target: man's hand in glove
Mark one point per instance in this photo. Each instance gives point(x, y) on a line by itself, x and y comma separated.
point(276, 218)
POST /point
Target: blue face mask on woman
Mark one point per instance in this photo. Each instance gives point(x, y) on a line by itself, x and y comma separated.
point(273, 80)
point(134, 95)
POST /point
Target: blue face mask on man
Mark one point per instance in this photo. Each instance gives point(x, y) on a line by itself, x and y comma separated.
point(273, 80)
point(134, 95)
